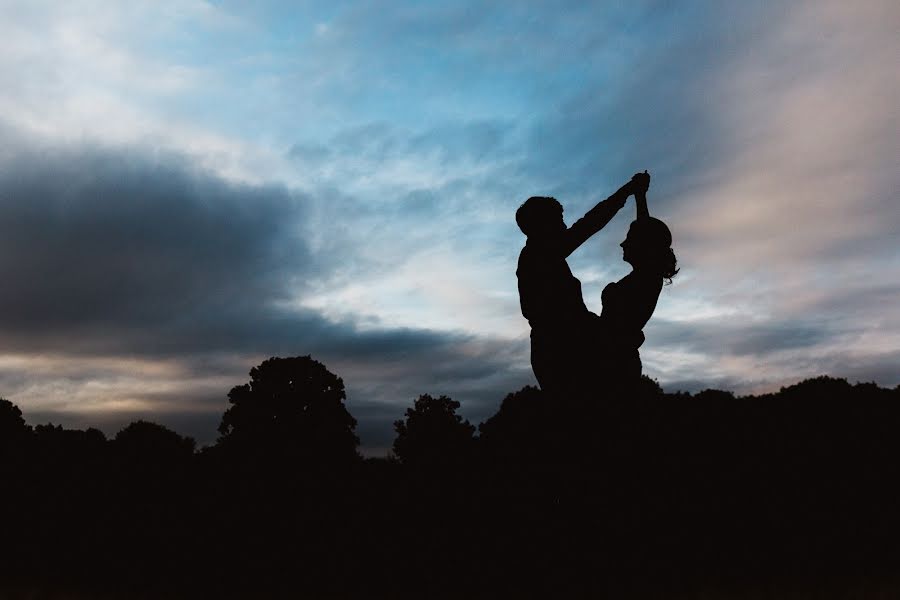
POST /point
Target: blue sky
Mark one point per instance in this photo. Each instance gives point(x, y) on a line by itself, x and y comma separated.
point(187, 188)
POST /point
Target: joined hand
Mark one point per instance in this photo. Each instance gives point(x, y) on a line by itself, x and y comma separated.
point(640, 183)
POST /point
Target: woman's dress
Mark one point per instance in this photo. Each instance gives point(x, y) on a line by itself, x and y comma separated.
point(627, 306)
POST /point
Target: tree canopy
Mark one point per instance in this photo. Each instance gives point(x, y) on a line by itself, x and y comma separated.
point(146, 440)
point(12, 427)
point(293, 406)
point(432, 433)
point(11, 421)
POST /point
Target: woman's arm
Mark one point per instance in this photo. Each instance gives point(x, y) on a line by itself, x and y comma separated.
point(641, 184)
point(642, 211)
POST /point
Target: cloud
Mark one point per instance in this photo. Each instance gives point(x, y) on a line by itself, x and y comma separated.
point(737, 338)
point(123, 241)
point(769, 131)
point(773, 151)
point(143, 283)
point(195, 188)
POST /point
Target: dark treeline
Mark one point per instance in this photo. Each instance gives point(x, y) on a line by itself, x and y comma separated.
point(656, 495)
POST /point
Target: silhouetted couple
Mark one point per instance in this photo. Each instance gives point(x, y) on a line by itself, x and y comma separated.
point(576, 354)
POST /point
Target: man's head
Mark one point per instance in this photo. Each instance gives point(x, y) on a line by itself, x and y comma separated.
point(540, 216)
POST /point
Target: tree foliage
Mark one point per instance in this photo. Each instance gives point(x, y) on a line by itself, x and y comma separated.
point(518, 430)
point(292, 406)
point(11, 421)
point(143, 440)
point(432, 433)
point(13, 429)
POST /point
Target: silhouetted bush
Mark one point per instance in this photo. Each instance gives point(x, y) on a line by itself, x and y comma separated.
point(57, 449)
point(518, 432)
point(432, 434)
point(144, 441)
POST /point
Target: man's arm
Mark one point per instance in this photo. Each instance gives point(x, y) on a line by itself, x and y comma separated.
point(595, 219)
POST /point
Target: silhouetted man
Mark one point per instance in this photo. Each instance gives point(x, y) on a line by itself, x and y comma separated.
point(550, 296)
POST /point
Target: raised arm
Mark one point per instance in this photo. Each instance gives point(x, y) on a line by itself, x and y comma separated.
point(642, 211)
point(641, 184)
point(595, 219)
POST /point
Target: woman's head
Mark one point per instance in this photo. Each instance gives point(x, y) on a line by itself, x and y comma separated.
point(648, 246)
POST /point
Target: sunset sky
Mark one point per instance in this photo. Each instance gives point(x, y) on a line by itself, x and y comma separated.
point(188, 188)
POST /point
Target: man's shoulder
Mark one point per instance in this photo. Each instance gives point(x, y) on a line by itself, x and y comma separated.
point(527, 252)
point(539, 249)
point(531, 255)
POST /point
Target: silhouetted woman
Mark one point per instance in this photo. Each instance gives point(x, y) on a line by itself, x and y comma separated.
point(629, 303)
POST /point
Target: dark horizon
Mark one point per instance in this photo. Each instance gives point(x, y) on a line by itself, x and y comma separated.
point(206, 436)
point(642, 496)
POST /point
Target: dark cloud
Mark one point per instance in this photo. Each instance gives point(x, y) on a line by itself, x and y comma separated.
point(724, 336)
point(883, 368)
point(123, 242)
point(114, 254)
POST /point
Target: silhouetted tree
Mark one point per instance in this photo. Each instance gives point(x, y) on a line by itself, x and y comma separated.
point(13, 429)
point(11, 421)
point(518, 430)
point(649, 388)
point(433, 434)
point(143, 440)
point(50, 430)
point(712, 395)
point(822, 386)
point(61, 448)
point(293, 407)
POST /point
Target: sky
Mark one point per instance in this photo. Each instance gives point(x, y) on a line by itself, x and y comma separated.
point(188, 188)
